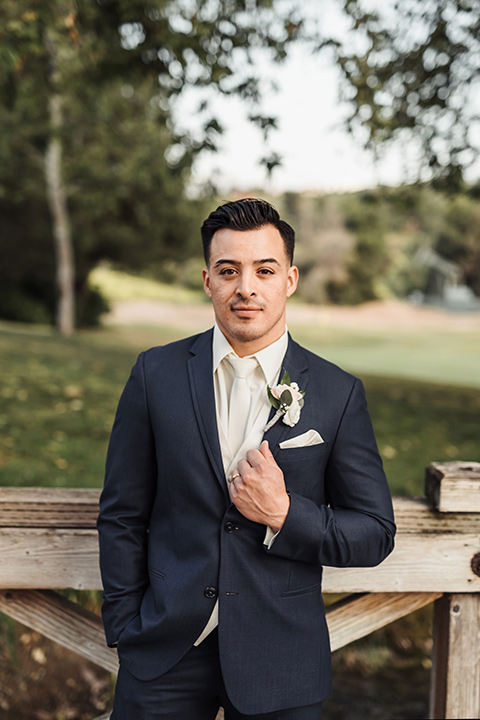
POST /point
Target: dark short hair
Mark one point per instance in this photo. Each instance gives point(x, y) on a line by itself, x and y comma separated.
point(246, 214)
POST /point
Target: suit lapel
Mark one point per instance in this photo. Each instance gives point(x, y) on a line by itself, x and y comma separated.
point(296, 364)
point(201, 385)
point(203, 397)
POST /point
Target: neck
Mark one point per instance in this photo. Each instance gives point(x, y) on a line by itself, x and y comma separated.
point(250, 347)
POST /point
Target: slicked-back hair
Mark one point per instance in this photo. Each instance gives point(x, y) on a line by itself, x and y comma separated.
point(246, 214)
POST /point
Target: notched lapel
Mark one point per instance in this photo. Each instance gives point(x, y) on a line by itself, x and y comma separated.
point(296, 364)
point(201, 385)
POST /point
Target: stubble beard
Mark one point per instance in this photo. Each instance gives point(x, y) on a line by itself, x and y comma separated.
point(248, 331)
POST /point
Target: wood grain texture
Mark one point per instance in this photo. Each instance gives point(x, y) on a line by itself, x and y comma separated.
point(419, 563)
point(60, 620)
point(425, 561)
point(455, 690)
point(453, 486)
point(463, 680)
point(415, 515)
point(48, 507)
point(63, 508)
point(358, 616)
point(49, 558)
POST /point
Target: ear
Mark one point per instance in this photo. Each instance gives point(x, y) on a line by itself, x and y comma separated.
point(206, 282)
point(292, 280)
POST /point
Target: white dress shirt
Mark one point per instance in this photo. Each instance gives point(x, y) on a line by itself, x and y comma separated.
point(266, 373)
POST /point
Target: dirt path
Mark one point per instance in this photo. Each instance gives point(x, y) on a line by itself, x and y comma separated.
point(372, 316)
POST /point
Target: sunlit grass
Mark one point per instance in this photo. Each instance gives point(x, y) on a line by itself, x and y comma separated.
point(116, 286)
point(58, 399)
point(435, 355)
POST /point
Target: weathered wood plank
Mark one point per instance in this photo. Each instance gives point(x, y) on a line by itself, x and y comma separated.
point(453, 486)
point(48, 507)
point(356, 616)
point(62, 621)
point(68, 496)
point(45, 558)
point(419, 563)
point(48, 558)
point(415, 515)
point(61, 508)
point(455, 690)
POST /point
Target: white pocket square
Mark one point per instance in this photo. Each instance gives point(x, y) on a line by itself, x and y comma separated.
point(311, 437)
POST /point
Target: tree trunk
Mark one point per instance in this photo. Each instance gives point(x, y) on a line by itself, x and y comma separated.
point(57, 199)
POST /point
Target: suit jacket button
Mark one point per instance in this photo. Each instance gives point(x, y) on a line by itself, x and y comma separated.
point(210, 592)
point(229, 527)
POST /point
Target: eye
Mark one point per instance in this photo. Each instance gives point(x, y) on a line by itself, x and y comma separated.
point(228, 271)
point(265, 271)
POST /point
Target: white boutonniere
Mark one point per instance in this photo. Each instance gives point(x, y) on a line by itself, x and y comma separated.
point(287, 399)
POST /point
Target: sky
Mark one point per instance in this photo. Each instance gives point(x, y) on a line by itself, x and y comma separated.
point(317, 152)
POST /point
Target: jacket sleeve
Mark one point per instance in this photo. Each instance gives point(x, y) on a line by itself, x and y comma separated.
point(125, 506)
point(356, 528)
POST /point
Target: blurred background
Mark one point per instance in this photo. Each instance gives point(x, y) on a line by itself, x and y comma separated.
point(123, 123)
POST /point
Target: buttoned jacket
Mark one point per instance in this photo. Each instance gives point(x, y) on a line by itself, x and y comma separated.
point(171, 541)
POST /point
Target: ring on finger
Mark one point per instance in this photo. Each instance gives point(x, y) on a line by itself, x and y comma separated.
point(234, 476)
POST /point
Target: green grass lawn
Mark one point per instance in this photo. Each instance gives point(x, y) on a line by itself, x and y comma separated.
point(445, 355)
point(58, 399)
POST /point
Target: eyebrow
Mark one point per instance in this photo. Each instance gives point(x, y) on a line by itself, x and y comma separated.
point(263, 261)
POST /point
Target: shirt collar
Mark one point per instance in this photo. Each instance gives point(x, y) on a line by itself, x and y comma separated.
point(269, 358)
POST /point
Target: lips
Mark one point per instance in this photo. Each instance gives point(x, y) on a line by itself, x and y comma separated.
point(246, 310)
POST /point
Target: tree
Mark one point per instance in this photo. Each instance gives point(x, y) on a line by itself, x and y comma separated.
point(412, 71)
point(368, 259)
point(65, 65)
point(459, 239)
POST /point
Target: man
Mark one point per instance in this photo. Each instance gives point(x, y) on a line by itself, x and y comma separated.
point(223, 500)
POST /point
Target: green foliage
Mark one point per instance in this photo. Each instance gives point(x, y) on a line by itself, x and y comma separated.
point(21, 306)
point(273, 400)
point(115, 66)
point(459, 239)
point(368, 260)
point(358, 247)
point(411, 70)
point(91, 308)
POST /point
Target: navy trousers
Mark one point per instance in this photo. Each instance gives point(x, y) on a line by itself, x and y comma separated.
point(192, 690)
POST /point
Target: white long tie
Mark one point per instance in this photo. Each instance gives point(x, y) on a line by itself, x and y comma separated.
point(240, 401)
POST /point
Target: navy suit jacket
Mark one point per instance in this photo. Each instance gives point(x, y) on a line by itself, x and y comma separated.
point(171, 541)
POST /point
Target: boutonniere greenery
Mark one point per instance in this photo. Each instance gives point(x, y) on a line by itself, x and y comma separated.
point(287, 399)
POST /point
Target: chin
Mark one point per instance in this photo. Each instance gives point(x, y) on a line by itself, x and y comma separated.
point(247, 333)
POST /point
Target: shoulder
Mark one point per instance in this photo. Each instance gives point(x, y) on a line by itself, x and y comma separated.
point(176, 352)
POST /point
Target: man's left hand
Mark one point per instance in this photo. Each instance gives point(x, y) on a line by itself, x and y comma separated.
point(259, 491)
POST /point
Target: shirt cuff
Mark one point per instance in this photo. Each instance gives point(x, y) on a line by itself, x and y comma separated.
point(270, 536)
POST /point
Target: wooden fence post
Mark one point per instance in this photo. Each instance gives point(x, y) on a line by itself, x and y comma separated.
point(455, 683)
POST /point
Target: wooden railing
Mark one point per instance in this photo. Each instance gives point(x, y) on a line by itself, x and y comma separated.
point(48, 540)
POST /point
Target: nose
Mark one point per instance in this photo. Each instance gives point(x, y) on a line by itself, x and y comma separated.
point(246, 285)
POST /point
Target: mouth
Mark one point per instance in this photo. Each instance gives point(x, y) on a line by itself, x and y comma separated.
point(246, 311)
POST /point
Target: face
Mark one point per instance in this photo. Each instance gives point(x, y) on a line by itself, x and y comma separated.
point(249, 279)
